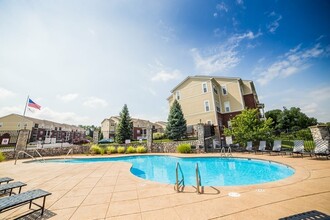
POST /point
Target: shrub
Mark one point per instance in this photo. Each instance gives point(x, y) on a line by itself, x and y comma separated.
point(309, 145)
point(130, 150)
point(102, 150)
point(2, 157)
point(111, 150)
point(121, 150)
point(158, 136)
point(141, 149)
point(304, 134)
point(184, 148)
point(95, 149)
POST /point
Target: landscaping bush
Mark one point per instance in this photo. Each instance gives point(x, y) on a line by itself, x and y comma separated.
point(184, 148)
point(111, 150)
point(2, 157)
point(309, 145)
point(158, 136)
point(121, 150)
point(95, 149)
point(304, 134)
point(102, 150)
point(130, 150)
point(141, 149)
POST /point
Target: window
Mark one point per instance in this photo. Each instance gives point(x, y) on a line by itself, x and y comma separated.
point(209, 122)
point(36, 125)
point(1, 124)
point(215, 89)
point(138, 131)
point(229, 124)
point(19, 125)
point(227, 106)
point(204, 86)
point(177, 95)
point(217, 106)
point(207, 106)
point(224, 90)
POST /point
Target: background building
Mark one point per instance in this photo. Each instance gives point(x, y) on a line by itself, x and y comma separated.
point(40, 130)
point(108, 127)
point(214, 100)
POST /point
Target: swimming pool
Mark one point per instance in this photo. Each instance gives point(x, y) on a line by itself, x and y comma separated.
point(214, 171)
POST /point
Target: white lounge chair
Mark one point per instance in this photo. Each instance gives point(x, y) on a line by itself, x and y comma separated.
point(322, 148)
point(277, 147)
point(249, 147)
point(262, 147)
point(298, 148)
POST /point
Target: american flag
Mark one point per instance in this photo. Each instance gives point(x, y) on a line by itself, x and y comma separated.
point(32, 104)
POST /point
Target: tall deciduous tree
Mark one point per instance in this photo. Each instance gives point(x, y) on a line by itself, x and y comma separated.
point(176, 126)
point(124, 127)
point(290, 119)
point(248, 127)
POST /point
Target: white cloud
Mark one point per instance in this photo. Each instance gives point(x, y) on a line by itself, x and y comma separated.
point(275, 23)
point(6, 110)
point(292, 62)
point(222, 57)
point(165, 76)
point(5, 93)
point(94, 102)
point(68, 97)
point(60, 117)
point(239, 2)
point(222, 7)
point(163, 73)
point(215, 14)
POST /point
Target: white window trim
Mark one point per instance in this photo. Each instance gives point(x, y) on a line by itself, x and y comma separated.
point(224, 104)
point(224, 87)
point(177, 95)
point(204, 83)
point(208, 102)
point(217, 104)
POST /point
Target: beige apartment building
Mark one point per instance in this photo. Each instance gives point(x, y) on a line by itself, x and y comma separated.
point(40, 130)
point(108, 127)
point(214, 100)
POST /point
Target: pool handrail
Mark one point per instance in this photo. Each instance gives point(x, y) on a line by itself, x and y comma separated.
point(198, 180)
point(179, 183)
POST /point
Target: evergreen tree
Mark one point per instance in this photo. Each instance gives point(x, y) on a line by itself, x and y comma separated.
point(125, 126)
point(176, 126)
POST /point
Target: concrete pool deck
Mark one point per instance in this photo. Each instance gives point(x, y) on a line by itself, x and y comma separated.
point(110, 191)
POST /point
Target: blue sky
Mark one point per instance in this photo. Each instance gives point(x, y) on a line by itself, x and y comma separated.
point(83, 60)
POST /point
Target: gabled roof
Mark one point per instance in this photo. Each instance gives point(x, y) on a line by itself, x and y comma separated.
point(205, 78)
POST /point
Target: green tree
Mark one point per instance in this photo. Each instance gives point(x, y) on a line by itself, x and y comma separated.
point(248, 127)
point(124, 127)
point(275, 115)
point(176, 127)
point(293, 120)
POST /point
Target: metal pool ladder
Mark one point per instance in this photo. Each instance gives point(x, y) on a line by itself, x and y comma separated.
point(179, 184)
point(198, 181)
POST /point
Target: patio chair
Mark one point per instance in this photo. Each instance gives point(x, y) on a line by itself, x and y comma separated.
point(262, 147)
point(216, 145)
point(249, 147)
point(298, 148)
point(5, 180)
point(277, 148)
point(8, 188)
point(322, 149)
point(11, 202)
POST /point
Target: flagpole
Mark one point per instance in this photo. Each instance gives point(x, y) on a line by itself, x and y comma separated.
point(26, 105)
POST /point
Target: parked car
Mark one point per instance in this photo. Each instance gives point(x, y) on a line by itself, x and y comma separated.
point(106, 141)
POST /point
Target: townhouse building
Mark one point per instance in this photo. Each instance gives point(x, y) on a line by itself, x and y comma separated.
point(40, 130)
point(108, 127)
point(214, 100)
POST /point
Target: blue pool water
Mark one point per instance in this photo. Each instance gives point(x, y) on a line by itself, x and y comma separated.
point(214, 171)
